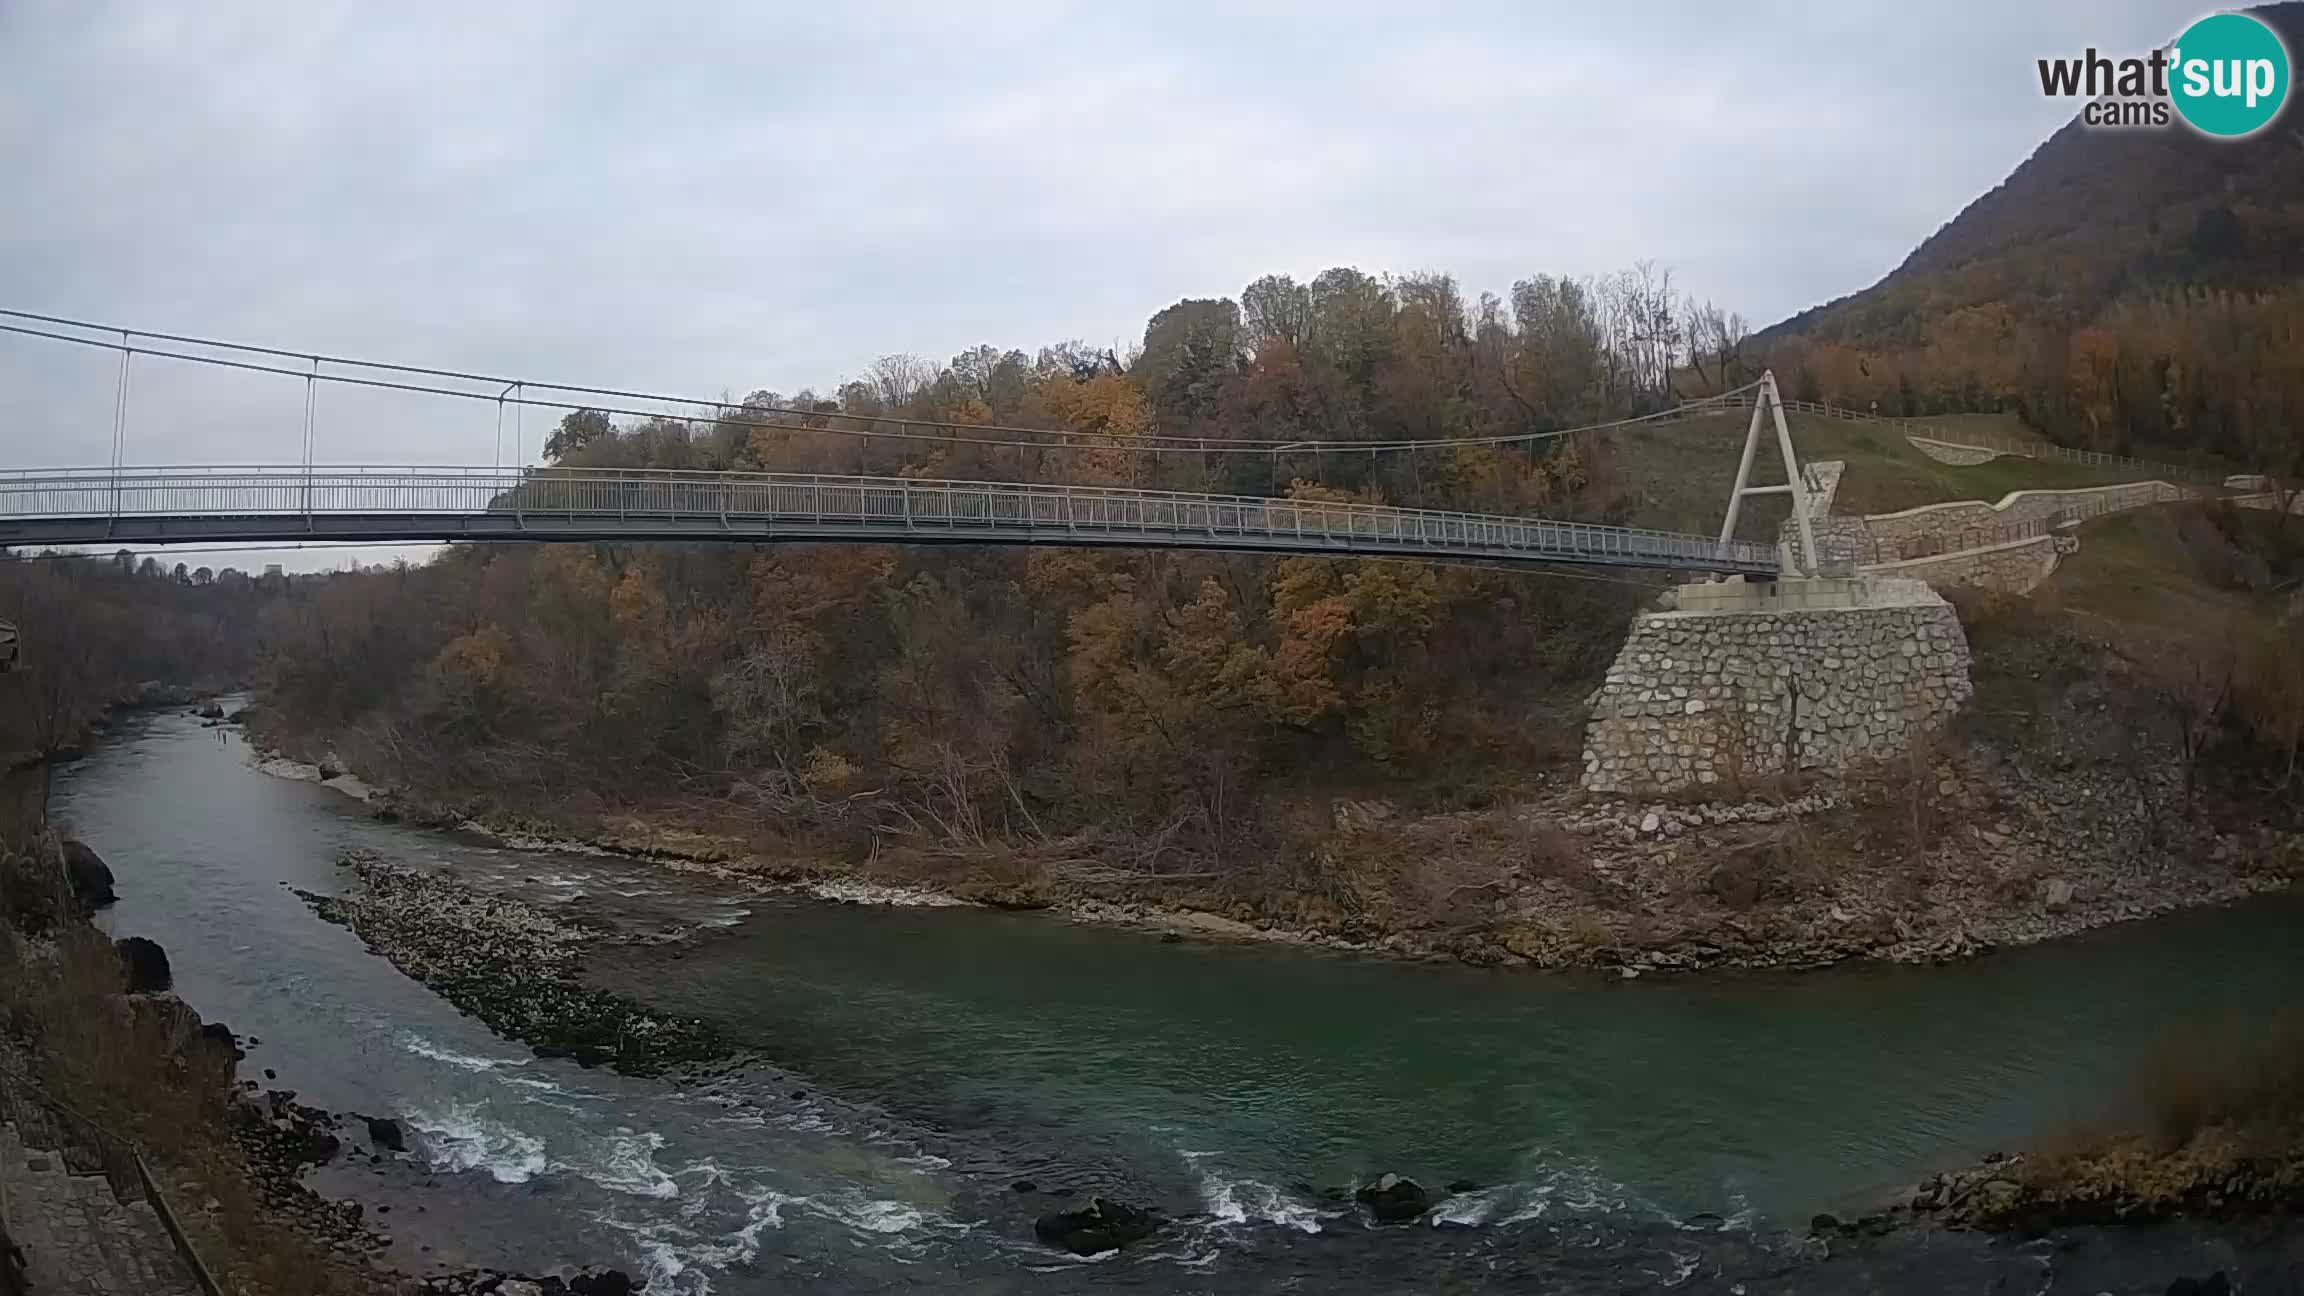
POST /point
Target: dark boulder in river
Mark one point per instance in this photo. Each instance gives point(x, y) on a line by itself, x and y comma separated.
point(1394, 1200)
point(1098, 1227)
point(386, 1134)
point(603, 1282)
point(315, 1145)
point(219, 1037)
point(146, 965)
point(90, 877)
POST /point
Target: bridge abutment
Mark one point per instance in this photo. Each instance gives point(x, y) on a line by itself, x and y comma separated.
point(1737, 680)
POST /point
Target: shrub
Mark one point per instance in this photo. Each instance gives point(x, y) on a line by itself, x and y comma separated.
point(2243, 1082)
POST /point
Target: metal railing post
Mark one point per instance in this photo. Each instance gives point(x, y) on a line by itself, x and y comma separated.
point(311, 396)
point(120, 424)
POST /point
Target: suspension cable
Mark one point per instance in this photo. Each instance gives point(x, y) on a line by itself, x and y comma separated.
point(813, 420)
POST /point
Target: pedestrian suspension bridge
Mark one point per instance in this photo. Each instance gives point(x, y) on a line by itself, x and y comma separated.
point(121, 504)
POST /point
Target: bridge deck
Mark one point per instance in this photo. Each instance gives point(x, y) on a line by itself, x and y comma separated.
point(288, 505)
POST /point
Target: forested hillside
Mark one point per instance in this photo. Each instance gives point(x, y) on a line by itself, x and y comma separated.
point(95, 632)
point(2127, 290)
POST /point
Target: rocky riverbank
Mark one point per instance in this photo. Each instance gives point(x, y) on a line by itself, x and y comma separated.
point(251, 1149)
point(510, 965)
point(1977, 853)
point(284, 1138)
point(2122, 1179)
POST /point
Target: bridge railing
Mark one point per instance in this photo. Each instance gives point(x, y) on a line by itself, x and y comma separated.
point(883, 505)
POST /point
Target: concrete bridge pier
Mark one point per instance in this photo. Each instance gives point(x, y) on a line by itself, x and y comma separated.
point(1735, 680)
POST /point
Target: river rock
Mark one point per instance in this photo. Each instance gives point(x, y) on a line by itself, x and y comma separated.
point(1393, 1199)
point(211, 712)
point(90, 878)
point(2057, 894)
point(605, 1282)
point(1102, 1225)
point(146, 965)
point(386, 1133)
point(219, 1037)
point(2215, 1284)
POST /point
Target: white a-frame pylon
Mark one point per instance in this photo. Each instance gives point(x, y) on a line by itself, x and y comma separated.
point(1766, 402)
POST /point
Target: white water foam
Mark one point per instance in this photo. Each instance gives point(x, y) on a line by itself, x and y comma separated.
point(500, 1068)
point(1683, 1268)
point(425, 1048)
point(807, 1120)
point(1472, 1209)
point(673, 1257)
point(1572, 1188)
point(1242, 1201)
point(871, 1214)
point(624, 1162)
point(458, 1138)
point(707, 1177)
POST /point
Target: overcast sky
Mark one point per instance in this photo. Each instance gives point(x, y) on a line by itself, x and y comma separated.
point(714, 197)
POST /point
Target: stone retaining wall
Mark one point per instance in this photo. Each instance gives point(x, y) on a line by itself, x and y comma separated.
point(1943, 525)
point(1961, 456)
point(1699, 699)
point(2016, 567)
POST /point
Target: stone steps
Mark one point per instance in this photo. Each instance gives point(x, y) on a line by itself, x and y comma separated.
point(78, 1238)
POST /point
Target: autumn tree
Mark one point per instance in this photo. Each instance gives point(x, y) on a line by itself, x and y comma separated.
point(577, 430)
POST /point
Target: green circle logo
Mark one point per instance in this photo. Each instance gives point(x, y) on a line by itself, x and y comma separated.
point(2228, 75)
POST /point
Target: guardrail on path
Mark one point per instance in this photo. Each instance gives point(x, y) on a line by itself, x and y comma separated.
point(88, 1144)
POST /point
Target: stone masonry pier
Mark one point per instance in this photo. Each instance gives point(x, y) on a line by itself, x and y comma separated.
point(1733, 681)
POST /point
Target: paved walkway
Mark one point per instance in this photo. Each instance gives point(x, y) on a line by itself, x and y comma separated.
point(79, 1240)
